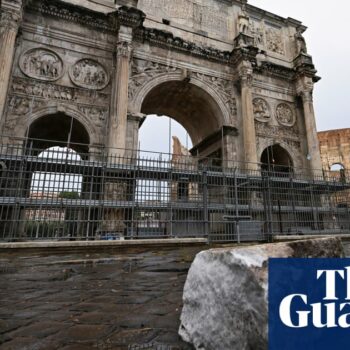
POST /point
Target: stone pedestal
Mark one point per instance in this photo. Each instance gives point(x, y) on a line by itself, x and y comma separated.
point(9, 25)
point(113, 219)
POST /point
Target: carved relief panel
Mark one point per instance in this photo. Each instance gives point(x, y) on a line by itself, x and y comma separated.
point(27, 96)
point(274, 41)
point(285, 115)
point(276, 120)
point(257, 31)
point(96, 114)
point(261, 110)
point(89, 74)
point(42, 64)
point(267, 36)
point(201, 15)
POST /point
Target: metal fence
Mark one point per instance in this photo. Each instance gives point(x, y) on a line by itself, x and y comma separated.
point(58, 194)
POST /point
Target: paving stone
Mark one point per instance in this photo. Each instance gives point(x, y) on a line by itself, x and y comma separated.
point(19, 343)
point(84, 332)
point(38, 330)
point(105, 306)
point(130, 336)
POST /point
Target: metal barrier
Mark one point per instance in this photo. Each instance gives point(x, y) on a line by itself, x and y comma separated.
point(58, 194)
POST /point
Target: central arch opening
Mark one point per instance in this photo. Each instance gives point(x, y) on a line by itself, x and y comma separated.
point(185, 121)
point(188, 104)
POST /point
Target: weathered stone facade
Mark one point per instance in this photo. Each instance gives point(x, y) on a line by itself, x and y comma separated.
point(335, 148)
point(212, 65)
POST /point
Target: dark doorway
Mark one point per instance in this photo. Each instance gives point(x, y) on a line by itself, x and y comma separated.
point(277, 160)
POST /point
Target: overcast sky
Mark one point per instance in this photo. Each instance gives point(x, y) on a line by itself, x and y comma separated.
point(329, 44)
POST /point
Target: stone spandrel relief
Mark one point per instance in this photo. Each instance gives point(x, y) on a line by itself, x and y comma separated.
point(261, 110)
point(89, 74)
point(22, 105)
point(42, 64)
point(95, 114)
point(274, 41)
point(285, 115)
point(223, 88)
point(144, 71)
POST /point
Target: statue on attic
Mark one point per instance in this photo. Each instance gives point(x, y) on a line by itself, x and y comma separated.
point(243, 21)
point(300, 42)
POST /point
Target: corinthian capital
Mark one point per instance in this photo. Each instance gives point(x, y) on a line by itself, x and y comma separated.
point(307, 96)
point(10, 20)
point(245, 73)
point(124, 49)
point(305, 88)
point(11, 14)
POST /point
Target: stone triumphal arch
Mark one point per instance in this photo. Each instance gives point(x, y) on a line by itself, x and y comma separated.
point(218, 67)
point(79, 77)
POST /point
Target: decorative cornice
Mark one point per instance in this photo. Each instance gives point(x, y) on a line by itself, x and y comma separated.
point(129, 17)
point(168, 40)
point(246, 53)
point(272, 69)
point(304, 67)
point(73, 13)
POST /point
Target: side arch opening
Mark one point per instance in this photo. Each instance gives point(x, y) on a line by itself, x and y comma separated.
point(275, 159)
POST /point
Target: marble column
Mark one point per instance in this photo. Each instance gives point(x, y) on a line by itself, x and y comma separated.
point(9, 25)
point(119, 105)
point(248, 125)
point(117, 189)
point(314, 155)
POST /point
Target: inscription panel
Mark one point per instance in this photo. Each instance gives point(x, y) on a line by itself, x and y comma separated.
point(210, 18)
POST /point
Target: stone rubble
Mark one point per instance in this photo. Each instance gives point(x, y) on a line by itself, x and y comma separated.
point(225, 295)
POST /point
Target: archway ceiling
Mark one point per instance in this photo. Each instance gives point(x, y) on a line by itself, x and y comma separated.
point(188, 104)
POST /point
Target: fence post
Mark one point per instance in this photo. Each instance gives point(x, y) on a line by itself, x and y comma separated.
point(313, 206)
point(267, 205)
point(205, 205)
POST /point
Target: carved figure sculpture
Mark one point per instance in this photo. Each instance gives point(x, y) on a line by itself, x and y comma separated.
point(261, 110)
point(300, 42)
point(41, 64)
point(89, 74)
point(243, 21)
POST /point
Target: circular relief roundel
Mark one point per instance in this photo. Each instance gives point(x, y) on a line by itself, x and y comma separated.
point(42, 64)
point(285, 115)
point(89, 74)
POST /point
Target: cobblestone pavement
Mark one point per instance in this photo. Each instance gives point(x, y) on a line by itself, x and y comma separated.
point(123, 300)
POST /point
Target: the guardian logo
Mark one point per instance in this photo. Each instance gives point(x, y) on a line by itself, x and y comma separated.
point(309, 304)
point(332, 312)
